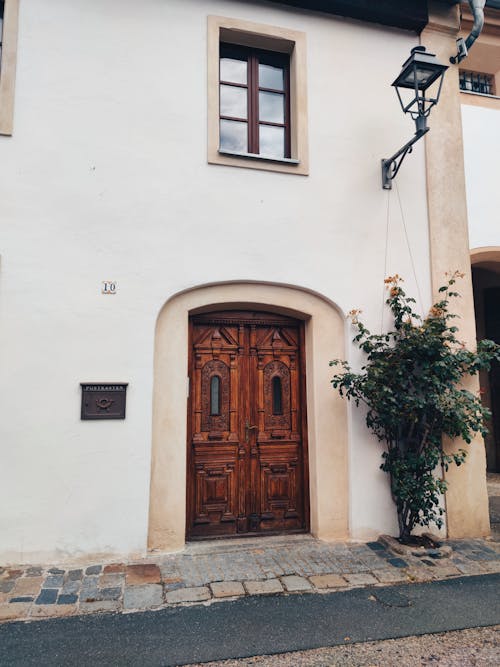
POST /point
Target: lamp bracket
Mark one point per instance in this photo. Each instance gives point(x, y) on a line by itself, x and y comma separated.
point(391, 165)
point(462, 51)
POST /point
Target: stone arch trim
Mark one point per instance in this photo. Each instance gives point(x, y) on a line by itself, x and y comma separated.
point(327, 413)
point(485, 254)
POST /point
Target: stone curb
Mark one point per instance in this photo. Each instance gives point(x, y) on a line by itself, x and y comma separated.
point(33, 593)
point(153, 601)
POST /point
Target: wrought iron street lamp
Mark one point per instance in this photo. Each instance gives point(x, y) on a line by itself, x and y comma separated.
point(418, 74)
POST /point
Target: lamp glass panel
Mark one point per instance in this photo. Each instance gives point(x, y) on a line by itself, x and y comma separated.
point(424, 77)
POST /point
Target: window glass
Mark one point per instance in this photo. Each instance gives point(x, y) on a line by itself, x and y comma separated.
point(271, 107)
point(475, 82)
point(215, 395)
point(233, 101)
point(277, 396)
point(272, 141)
point(233, 136)
point(233, 70)
point(271, 77)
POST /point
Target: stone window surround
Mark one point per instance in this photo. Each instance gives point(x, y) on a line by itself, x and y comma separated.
point(8, 65)
point(269, 38)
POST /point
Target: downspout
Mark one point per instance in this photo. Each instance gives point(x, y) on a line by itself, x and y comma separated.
point(477, 9)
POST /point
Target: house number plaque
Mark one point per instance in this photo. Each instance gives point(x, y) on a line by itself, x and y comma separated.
point(103, 401)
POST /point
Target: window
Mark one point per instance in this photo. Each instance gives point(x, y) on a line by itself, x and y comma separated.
point(9, 10)
point(475, 82)
point(277, 396)
point(254, 102)
point(257, 102)
point(215, 395)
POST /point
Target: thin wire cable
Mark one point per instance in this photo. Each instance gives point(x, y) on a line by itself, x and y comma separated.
point(385, 260)
point(421, 303)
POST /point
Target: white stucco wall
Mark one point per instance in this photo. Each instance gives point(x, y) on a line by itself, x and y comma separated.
point(481, 128)
point(106, 177)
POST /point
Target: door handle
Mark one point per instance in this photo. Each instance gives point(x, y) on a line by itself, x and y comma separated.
point(248, 428)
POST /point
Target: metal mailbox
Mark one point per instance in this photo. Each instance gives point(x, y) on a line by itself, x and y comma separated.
point(103, 401)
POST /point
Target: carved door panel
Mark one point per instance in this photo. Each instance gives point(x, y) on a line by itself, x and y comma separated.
point(276, 453)
point(216, 473)
point(246, 470)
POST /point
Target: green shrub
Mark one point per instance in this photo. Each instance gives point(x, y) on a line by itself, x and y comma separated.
point(411, 387)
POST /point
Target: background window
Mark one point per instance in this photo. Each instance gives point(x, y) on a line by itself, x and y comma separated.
point(475, 82)
point(254, 102)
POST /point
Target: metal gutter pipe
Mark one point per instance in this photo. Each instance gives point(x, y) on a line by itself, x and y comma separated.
point(477, 9)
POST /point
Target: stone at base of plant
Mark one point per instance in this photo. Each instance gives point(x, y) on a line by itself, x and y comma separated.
point(439, 551)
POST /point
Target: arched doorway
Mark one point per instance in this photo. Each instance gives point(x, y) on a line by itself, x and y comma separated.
point(323, 338)
point(486, 284)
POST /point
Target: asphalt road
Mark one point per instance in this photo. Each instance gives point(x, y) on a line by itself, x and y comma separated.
point(252, 625)
point(474, 647)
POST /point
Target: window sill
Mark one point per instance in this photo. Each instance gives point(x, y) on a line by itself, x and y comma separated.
point(469, 98)
point(256, 156)
point(472, 92)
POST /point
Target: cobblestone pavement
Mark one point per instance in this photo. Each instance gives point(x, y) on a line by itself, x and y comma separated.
point(206, 572)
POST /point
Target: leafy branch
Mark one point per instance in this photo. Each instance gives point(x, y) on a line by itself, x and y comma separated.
point(410, 385)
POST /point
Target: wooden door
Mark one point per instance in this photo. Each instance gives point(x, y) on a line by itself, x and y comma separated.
point(247, 468)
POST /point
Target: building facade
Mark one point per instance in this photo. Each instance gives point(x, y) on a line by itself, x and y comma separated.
point(190, 205)
point(480, 99)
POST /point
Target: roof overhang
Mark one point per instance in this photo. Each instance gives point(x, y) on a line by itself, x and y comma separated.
point(406, 14)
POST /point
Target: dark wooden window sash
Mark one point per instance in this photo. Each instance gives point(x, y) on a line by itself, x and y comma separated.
point(253, 58)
